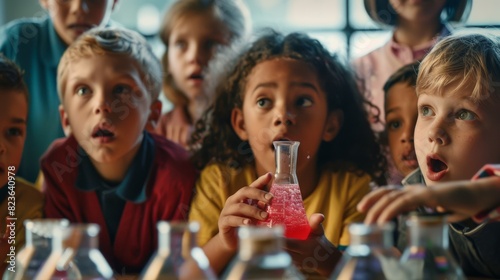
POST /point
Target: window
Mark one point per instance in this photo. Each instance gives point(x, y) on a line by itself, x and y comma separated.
point(341, 25)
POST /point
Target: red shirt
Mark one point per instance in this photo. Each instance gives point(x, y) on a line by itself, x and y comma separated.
point(168, 195)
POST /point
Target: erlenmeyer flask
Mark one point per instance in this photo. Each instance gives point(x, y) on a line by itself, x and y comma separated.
point(36, 249)
point(427, 255)
point(178, 256)
point(370, 254)
point(75, 255)
point(287, 207)
point(261, 256)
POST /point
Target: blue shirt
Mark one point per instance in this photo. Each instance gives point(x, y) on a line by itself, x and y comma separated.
point(35, 47)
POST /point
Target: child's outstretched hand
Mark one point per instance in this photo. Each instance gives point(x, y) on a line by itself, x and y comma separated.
point(463, 199)
point(316, 253)
point(238, 212)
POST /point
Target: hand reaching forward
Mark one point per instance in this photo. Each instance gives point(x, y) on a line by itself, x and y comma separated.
point(463, 199)
point(238, 212)
point(316, 253)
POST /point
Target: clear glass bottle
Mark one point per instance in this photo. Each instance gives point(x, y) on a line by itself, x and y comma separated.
point(261, 256)
point(36, 249)
point(75, 255)
point(178, 255)
point(427, 255)
point(287, 207)
point(370, 254)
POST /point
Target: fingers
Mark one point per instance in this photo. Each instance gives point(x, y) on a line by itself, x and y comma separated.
point(315, 223)
point(235, 215)
point(404, 202)
point(379, 206)
point(262, 181)
point(237, 211)
point(370, 199)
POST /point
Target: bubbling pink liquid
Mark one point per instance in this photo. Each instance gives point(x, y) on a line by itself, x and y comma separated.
point(287, 209)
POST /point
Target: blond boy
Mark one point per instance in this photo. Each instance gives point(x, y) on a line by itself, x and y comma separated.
point(110, 171)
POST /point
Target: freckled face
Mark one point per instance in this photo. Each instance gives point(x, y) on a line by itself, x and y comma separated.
point(106, 105)
point(455, 137)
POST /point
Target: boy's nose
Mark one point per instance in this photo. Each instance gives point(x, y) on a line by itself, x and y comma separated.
point(438, 134)
point(102, 106)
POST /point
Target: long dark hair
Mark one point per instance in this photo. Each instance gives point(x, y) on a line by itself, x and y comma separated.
point(354, 148)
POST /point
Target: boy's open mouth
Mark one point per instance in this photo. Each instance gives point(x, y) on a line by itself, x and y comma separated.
point(436, 165)
point(436, 168)
point(102, 133)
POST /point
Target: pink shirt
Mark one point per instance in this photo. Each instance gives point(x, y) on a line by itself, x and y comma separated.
point(377, 66)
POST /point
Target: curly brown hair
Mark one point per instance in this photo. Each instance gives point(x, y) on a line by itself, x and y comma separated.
point(354, 148)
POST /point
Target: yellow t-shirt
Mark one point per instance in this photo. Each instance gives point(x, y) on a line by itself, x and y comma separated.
point(28, 205)
point(336, 196)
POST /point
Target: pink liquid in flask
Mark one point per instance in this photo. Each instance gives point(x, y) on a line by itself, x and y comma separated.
point(287, 209)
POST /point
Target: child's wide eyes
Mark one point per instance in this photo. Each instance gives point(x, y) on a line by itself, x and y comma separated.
point(181, 44)
point(466, 115)
point(393, 125)
point(425, 111)
point(14, 131)
point(263, 103)
point(122, 89)
point(304, 102)
point(82, 90)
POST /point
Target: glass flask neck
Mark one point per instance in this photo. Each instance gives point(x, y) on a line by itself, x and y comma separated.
point(40, 231)
point(286, 161)
point(428, 230)
point(371, 235)
point(77, 237)
point(170, 236)
point(259, 241)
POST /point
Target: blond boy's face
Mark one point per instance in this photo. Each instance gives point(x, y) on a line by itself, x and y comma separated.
point(106, 105)
point(401, 116)
point(13, 114)
point(71, 18)
point(191, 45)
point(455, 137)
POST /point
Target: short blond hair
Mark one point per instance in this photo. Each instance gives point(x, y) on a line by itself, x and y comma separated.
point(114, 41)
point(469, 61)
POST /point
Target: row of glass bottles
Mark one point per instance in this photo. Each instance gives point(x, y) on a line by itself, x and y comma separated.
point(55, 249)
point(371, 256)
point(74, 253)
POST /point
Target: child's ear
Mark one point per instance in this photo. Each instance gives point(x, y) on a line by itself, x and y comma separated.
point(238, 123)
point(64, 121)
point(154, 114)
point(333, 124)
